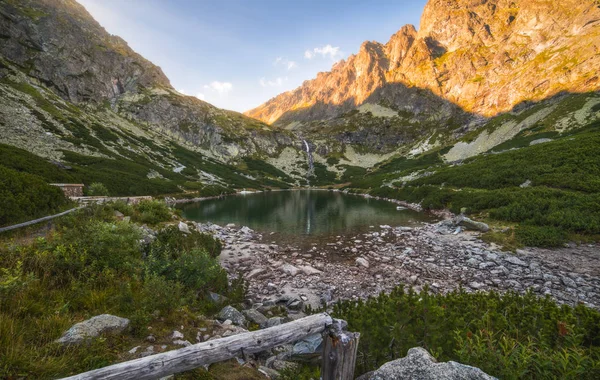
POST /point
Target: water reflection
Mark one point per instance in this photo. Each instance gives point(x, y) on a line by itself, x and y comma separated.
point(302, 212)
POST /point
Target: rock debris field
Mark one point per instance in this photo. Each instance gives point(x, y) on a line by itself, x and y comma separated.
point(438, 255)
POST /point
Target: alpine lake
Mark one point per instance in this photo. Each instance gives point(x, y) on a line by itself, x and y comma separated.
point(304, 218)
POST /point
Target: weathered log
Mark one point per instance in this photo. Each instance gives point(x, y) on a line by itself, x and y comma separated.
point(191, 357)
point(339, 352)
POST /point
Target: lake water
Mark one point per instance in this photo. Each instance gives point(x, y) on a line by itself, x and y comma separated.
point(303, 213)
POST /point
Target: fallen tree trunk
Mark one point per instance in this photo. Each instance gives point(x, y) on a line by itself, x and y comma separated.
point(197, 355)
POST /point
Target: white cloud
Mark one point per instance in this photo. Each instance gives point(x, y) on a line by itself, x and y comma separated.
point(182, 92)
point(285, 62)
point(223, 88)
point(200, 96)
point(327, 50)
point(272, 83)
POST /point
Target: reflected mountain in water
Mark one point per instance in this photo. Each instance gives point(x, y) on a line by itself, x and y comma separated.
point(302, 212)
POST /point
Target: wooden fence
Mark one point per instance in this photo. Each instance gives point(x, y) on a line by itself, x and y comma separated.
point(338, 359)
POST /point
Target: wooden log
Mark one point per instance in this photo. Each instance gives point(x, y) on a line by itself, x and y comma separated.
point(191, 357)
point(339, 353)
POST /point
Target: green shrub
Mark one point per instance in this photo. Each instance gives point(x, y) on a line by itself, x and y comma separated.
point(508, 336)
point(25, 196)
point(97, 189)
point(534, 236)
point(171, 240)
point(151, 212)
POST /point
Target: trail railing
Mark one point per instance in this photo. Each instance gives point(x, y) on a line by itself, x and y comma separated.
point(35, 221)
point(338, 358)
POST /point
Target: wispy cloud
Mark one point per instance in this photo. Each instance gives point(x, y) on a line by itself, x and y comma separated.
point(327, 50)
point(285, 62)
point(200, 96)
point(272, 83)
point(182, 92)
point(222, 88)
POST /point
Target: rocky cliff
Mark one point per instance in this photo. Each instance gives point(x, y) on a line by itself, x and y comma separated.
point(57, 45)
point(475, 57)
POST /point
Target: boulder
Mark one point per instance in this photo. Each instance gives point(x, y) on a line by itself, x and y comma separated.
point(232, 314)
point(184, 228)
point(309, 271)
point(471, 224)
point(93, 327)
point(255, 316)
point(418, 364)
point(289, 269)
point(274, 321)
point(309, 345)
point(516, 261)
point(362, 262)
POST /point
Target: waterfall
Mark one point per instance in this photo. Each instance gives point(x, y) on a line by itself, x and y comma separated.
point(311, 168)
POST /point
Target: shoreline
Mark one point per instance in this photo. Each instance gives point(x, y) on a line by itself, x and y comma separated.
point(388, 257)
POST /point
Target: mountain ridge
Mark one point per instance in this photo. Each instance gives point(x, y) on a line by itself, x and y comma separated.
point(461, 49)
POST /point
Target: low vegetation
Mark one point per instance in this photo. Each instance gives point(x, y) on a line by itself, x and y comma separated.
point(25, 196)
point(508, 336)
point(550, 191)
point(100, 261)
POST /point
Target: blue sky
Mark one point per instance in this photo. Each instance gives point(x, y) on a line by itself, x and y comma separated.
point(237, 54)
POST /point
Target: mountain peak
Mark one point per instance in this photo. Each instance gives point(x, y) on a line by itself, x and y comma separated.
point(484, 56)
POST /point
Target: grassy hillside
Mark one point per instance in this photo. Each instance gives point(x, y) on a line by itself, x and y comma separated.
point(548, 192)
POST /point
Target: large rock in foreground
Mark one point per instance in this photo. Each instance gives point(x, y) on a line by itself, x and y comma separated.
point(418, 364)
point(232, 314)
point(92, 328)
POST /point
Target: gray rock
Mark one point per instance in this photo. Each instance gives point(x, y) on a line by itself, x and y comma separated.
point(418, 364)
point(216, 298)
point(255, 316)
point(539, 141)
point(569, 282)
point(295, 304)
point(362, 262)
point(308, 270)
point(525, 184)
point(289, 269)
point(275, 321)
point(516, 261)
point(309, 345)
point(184, 228)
point(231, 313)
point(269, 372)
point(471, 224)
point(93, 327)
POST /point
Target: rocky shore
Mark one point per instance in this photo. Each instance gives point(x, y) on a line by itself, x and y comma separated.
point(439, 255)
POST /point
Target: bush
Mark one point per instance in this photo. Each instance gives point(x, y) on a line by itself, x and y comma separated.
point(508, 336)
point(93, 264)
point(533, 236)
point(25, 196)
point(97, 189)
point(151, 212)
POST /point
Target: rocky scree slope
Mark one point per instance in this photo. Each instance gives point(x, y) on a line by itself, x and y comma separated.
point(64, 78)
point(469, 60)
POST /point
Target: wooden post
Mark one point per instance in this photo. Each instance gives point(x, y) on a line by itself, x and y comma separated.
point(197, 355)
point(339, 352)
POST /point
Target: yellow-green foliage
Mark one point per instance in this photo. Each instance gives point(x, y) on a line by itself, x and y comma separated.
point(93, 264)
point(509, 336)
